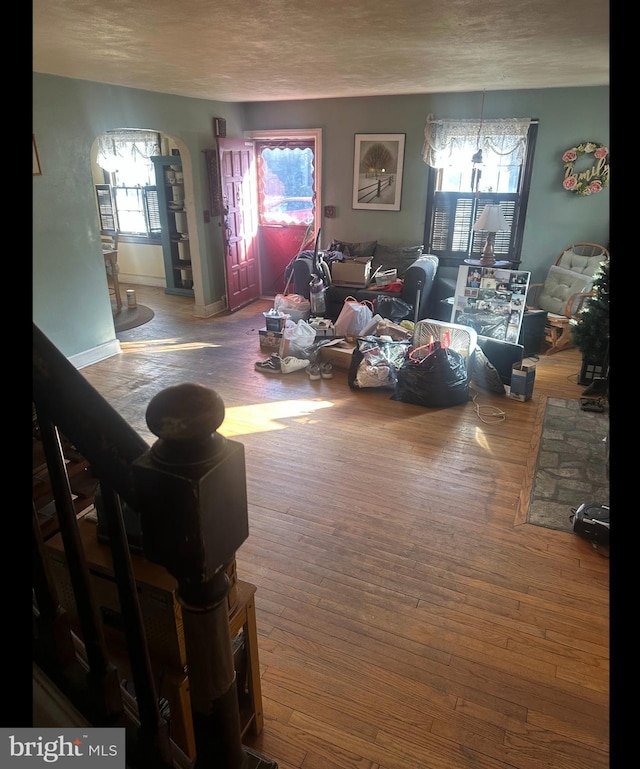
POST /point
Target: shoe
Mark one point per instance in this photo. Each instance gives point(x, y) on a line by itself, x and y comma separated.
point(314, 371)
point(290, 364)
point(272, 365)
point(326, 370)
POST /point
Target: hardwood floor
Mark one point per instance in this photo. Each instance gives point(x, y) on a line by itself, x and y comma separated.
point(407, 617)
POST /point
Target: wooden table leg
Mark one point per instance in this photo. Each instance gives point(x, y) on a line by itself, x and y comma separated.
point(111, 258)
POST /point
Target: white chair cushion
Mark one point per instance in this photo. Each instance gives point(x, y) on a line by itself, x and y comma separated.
point(559, 286)
point(585, 265)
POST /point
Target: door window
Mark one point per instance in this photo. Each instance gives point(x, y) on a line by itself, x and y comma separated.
point(286, 185)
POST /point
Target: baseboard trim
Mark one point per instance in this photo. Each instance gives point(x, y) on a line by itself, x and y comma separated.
point(209, 310)
point(96, 354)
point(142, 280)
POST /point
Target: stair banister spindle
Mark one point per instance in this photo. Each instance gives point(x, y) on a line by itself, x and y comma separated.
point(102, 676)
point(53, 636)
point(154, 746)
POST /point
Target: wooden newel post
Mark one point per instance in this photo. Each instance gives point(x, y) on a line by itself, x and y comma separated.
point(192, 500)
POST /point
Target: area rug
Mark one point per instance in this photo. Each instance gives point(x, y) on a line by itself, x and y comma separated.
point(570, 453)
point(130, 317)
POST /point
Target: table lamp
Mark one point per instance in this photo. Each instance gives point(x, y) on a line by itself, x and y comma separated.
point(491, 220)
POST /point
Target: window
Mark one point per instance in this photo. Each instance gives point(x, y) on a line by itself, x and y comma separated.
point(286, 182)
point(472, 164)
point(128, 201)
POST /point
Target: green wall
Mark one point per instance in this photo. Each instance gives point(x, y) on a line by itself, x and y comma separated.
point(70, 299)
point(555, 217)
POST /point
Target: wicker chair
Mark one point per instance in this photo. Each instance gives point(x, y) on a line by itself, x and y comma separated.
point(566, 289)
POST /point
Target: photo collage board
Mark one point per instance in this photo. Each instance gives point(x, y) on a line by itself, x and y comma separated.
point(491, 300)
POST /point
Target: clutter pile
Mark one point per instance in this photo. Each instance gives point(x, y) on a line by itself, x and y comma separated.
point(428, 363)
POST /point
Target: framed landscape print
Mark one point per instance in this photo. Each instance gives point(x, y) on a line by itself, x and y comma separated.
point(377, 171)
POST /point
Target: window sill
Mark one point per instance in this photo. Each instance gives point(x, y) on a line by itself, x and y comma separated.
point(140, 239)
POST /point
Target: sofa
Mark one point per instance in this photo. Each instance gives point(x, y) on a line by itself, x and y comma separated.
point(416, 271)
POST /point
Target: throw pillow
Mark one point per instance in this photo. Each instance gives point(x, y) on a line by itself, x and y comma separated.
point(586, 265)
point(485, 374)
point(354, 249)
point(395, 257)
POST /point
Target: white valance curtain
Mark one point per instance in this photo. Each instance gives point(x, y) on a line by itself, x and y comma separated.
point(443, 139)
point(116, 146)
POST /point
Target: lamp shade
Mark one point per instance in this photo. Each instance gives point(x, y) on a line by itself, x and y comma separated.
point(491, 220)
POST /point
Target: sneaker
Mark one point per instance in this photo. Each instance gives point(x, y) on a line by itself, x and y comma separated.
point(326, 370)
point(272, 365)
point(314, 371)
point(290, 364)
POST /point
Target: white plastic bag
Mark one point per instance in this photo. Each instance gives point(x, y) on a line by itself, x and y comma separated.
point(371, 326)
point(354, 317)
point(297, 338)
point(293, 305)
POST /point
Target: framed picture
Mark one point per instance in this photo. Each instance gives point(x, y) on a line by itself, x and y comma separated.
point(37, 171)
point(491, 301)
point(377, 171)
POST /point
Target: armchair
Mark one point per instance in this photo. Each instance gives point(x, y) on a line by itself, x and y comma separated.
point(567, 287)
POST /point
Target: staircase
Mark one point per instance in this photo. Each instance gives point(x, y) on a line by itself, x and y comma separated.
point(188, 492)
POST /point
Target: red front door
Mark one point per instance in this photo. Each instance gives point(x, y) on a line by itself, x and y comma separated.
point(240, 221)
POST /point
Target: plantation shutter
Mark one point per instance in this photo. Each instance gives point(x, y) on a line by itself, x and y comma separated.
point(152, 209)
point(148, 197)
point(106, 208)
point(453, 215)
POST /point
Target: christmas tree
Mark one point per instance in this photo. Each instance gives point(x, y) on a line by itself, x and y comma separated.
point(590, 331)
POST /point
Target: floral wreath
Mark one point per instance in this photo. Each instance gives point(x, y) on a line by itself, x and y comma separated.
point(594, 179)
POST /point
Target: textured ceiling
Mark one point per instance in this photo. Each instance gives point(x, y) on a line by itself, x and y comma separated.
point(273, 50)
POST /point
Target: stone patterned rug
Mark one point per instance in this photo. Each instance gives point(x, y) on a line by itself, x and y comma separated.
point(570, 468)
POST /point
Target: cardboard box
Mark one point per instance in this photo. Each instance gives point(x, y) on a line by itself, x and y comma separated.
point(269, 340)
point(323, 327)
point(338, 355)
point(353, 273)
point(323, 333)
point(523, 376)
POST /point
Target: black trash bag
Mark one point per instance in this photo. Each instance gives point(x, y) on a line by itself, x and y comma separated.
point(438, 380)
point(393, 308)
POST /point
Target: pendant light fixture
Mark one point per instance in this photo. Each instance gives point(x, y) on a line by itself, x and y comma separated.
point(476, 159)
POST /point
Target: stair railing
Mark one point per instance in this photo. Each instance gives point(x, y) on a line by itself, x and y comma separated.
point(189, 489)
